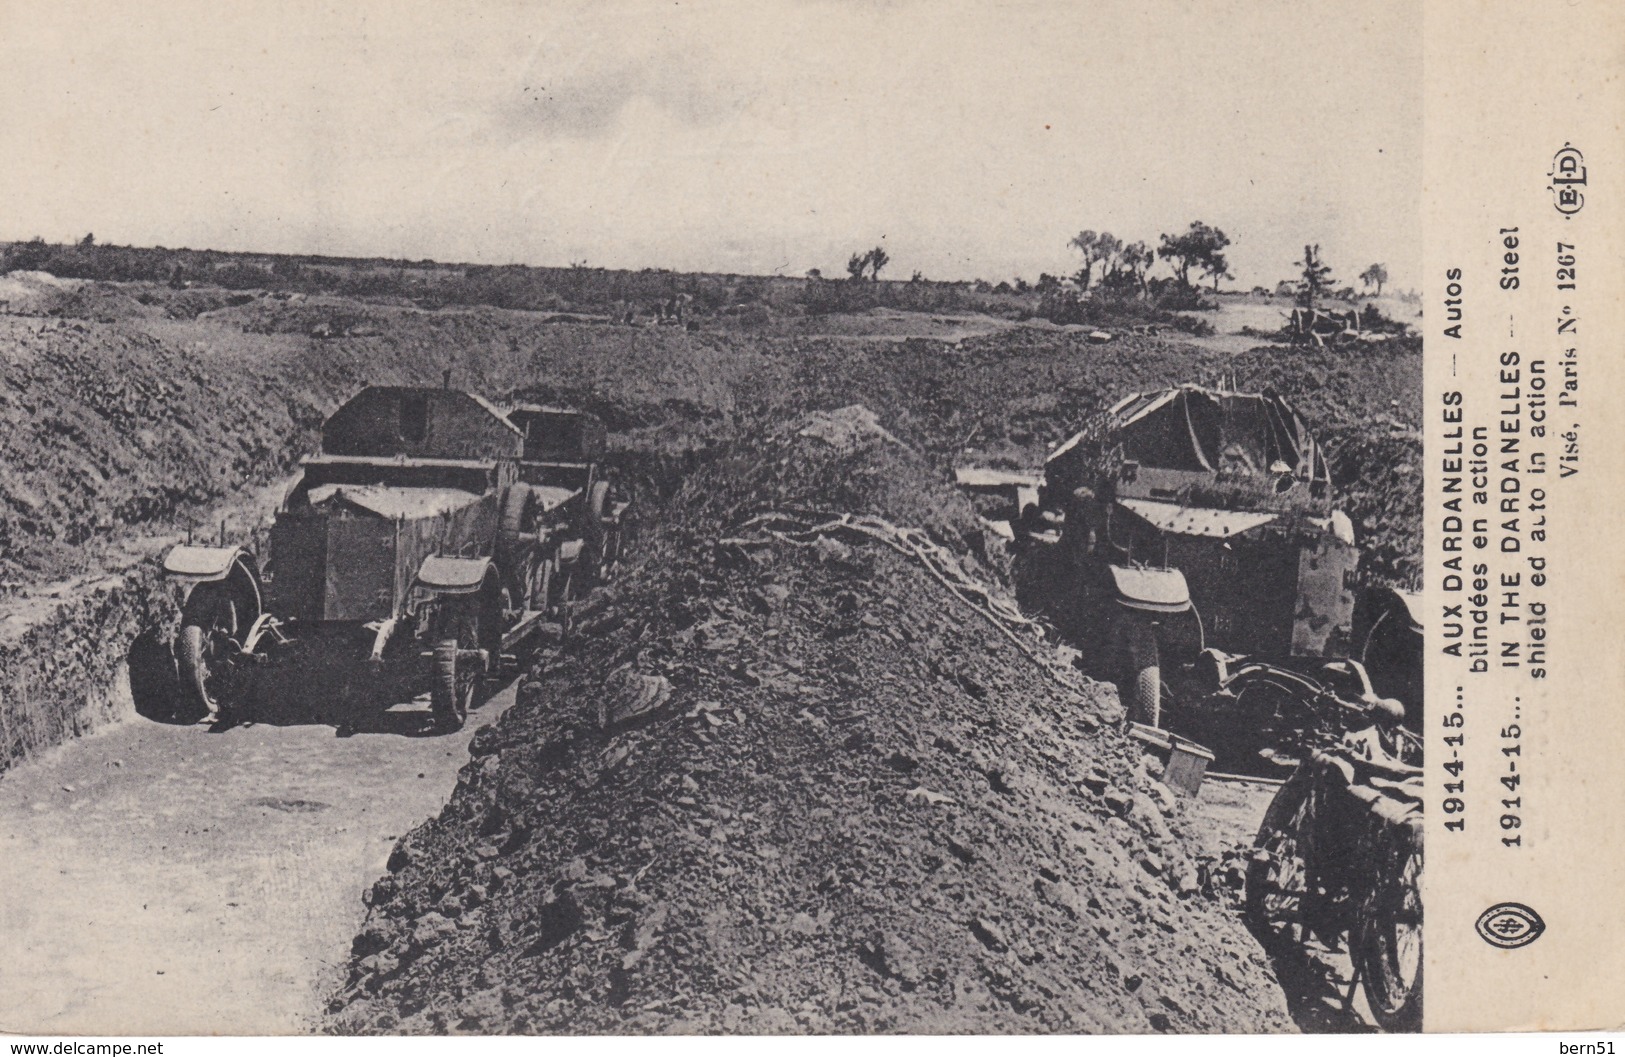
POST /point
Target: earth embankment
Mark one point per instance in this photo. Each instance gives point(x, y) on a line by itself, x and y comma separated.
point(799, 786)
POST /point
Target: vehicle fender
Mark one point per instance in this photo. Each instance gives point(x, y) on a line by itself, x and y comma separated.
point(1150, 590)
point(1375, 602)
point(446, 575)
point(202, 564)
point(188, 565)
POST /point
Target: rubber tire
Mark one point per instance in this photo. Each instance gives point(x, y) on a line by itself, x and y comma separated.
point(542, 586)
point(595, 531)
point(611, 557)
point(1282, 827)
point(516, 508)
point(1396, 1006)
point(448, 701)
point(199, 621)
point(567, 595)
point(1143, 678)
point(192, 669)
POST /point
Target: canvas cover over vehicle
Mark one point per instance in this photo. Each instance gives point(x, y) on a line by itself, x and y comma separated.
point(1194, 430)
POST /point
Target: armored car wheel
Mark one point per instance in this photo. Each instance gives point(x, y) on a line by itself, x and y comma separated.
point(612, 553)
point(567, 588)
point(204, 650)
point(597, 506)
point(455, 682)
point(191, 648)
point(1142, 682)
point(541, 584)
point(517, 514)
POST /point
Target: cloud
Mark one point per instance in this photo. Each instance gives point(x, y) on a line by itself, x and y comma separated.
point(975, 138)
point(589, 102)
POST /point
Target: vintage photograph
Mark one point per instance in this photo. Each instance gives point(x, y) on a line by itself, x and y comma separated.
point(810, 517)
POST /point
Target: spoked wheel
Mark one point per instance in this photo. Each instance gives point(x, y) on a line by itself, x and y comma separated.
point(205, 651)
point(1278, 874)
point(1390, 949)
point(455, 683)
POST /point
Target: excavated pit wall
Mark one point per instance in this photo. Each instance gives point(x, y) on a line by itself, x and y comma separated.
point(118, 430)
point(70, 672)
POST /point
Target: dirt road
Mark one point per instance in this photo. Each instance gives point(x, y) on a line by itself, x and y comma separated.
point(166, 879)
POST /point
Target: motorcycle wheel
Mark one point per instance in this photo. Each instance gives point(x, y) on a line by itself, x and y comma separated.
point(1389, 950)
point(1278, 874)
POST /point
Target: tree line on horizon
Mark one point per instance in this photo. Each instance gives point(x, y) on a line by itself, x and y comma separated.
point(1111, 267)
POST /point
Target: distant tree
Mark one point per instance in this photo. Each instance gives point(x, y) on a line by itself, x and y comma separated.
point(917, 277)
point(815, 273)
point(878, 259)
point(1111, 253)
point(1200, 247)
point(27, 256)
point(1021, 285)
point(88, 241)
point(1137, 259)
point(1375, 275)
point(1096, 248)
point(1048, 282)
point(1315, 278)
point(856, 265)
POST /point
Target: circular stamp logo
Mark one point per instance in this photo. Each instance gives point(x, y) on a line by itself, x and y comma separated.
point(1510, 925)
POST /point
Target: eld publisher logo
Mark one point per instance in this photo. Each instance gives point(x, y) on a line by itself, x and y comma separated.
point(1510, 925)
point(1568, 175)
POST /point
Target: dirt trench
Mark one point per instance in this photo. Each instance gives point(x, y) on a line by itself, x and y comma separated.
point(165, 879)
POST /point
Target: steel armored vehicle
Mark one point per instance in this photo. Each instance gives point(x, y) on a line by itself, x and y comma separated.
point(432, 533)
point(1199, 538)
point(562, 464)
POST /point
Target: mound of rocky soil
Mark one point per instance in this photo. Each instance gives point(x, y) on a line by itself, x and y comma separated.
point(106, 427)
point(29, 293)
point(800, 786)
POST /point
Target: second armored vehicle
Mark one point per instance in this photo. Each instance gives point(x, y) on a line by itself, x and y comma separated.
point(1199, 533)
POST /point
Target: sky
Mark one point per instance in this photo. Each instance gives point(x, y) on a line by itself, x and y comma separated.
point(971, 140)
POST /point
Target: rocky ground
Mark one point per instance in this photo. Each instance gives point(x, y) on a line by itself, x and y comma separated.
point(800, 788)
